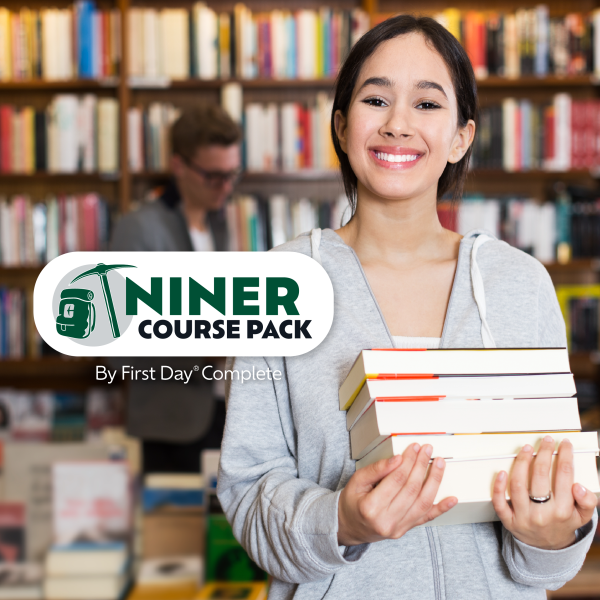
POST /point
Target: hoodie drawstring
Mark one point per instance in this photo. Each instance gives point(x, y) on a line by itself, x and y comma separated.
point(479, 292)
point(476, 280)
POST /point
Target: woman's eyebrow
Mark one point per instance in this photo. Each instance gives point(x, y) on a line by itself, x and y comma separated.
point(430, 85)
point(379, 81)
point(385, 82)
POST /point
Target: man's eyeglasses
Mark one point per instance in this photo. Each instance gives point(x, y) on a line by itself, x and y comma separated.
point(216, 178)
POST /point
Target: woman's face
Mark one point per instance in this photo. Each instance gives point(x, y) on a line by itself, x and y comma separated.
point(402, 125)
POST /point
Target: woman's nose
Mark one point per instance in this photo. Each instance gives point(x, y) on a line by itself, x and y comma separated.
point(398, 124)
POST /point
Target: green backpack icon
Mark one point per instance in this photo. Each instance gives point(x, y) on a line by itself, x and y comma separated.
point(76, 313)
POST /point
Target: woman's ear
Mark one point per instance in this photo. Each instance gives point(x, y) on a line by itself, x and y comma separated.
point(340, 123)
point(462, 141)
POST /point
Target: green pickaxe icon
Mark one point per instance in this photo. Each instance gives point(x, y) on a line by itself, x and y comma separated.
point(101, 270)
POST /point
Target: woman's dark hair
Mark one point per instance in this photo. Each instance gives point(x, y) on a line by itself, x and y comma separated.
point(461, 73)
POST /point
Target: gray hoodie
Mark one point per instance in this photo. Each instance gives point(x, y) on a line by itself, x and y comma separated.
point(286, 452)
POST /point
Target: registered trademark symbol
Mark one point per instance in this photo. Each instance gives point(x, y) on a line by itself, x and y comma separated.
point(196, 368)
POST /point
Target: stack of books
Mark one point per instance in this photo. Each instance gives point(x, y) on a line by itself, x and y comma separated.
point(92, 506)
point(77, 571)
point(459, 401)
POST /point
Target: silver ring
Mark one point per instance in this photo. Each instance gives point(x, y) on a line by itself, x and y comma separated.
point(541, 499)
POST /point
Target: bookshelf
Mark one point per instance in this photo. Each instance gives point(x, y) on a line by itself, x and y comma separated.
point(123, 186)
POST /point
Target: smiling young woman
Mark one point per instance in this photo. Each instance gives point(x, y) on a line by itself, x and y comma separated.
point(403, 121)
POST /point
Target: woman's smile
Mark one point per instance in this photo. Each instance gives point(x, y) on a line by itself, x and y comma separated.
point(395, 158)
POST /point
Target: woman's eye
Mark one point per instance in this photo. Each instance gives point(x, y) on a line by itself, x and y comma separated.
point(374, 102)
point(428, 105)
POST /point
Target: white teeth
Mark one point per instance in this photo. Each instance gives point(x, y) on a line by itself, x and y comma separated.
point(396, 158)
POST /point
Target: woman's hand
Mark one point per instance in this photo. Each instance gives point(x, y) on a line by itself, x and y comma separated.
point(389, 497)
point(550, 525)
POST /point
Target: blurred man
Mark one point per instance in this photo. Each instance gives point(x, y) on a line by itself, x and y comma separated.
point(174, 420)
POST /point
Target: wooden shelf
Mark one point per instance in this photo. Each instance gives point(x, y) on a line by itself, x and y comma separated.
point(199, 84)
point(54, 177)
point(61, 85)
point(579, 264)
point(532, 81)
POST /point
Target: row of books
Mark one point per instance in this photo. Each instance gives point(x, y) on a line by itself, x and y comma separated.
point(254, 224)
point(277, 137)
point(60, 43)
point(59, 416)
point(527, 41)
point(36, 232)
point(503, 399)
point(289, 136)
point(73, 134)
point(520, 135)
point(552, 231)
point(177, 43)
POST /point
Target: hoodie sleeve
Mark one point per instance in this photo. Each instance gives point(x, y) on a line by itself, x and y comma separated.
point(288, 525)
point(549, 569)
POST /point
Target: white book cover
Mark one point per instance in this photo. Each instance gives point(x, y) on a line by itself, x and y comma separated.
point(562, 132)
point(135, 137)
point(464, 447)
point(271, 159)
point(87, 132)
point(207, 42)
point(289, 134)
point(383, 419)
point(509, 109)
point(91, 502)
point(545, 240)
point(278, 211)
point(306, 23)
point(254, 134)
point(472, 481)
point(341, 211)
point(232, 100)
point(108, 135)
point(152, 42)
point(461, 388)
point(71, 225)
point(135, 41)
point(175, 43)
point(50, 46)
point(65, 47)
point(278, 43)
point(65, 107)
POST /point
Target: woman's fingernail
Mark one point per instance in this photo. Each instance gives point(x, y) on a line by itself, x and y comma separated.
point(581, 491)
point(501, 476)
point(548, 438)
point(440, 462)
point(416, 447)
point(452, 502)
point(392, 460)
point(428, 450)
point(527, 448)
